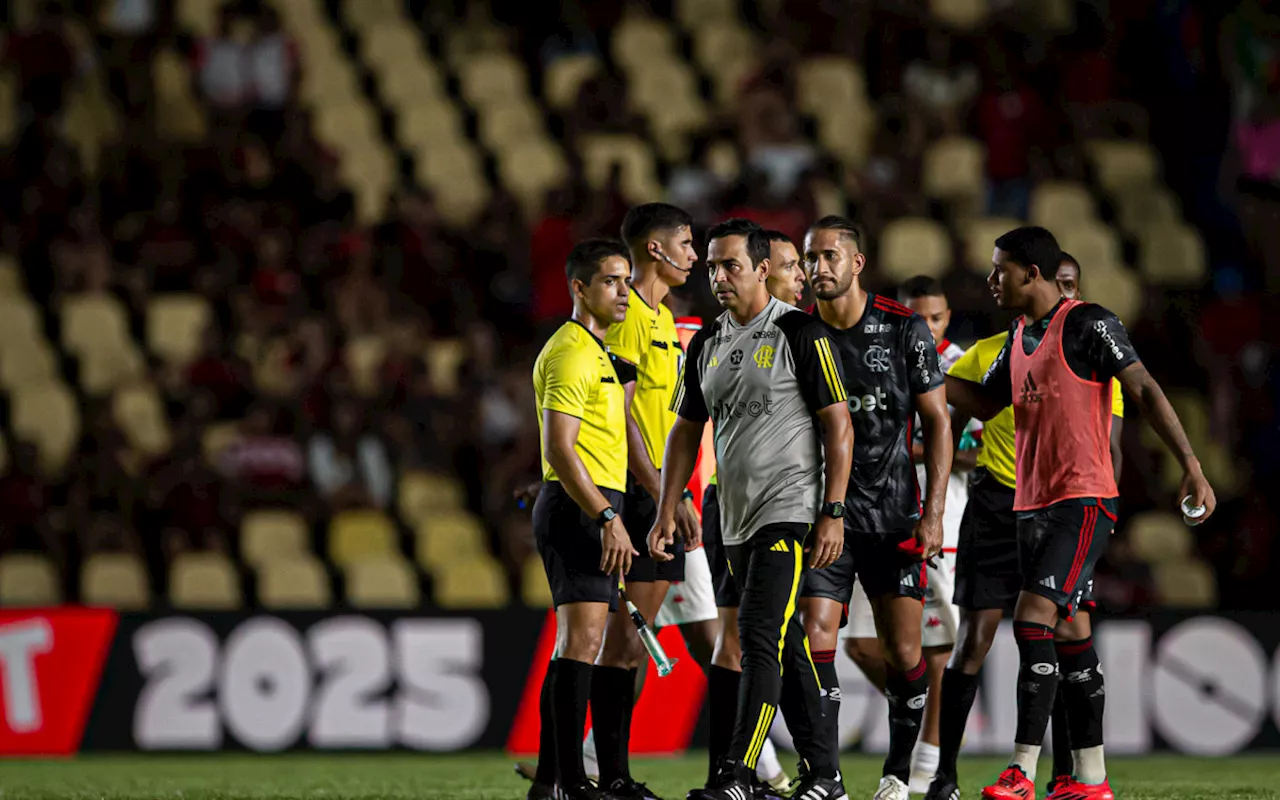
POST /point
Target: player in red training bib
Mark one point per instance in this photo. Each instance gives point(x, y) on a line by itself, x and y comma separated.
point(1055, 370)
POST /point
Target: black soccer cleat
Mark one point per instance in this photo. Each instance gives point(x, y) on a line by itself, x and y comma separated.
point(811, 787)
point(943, 788)
point(585, 791)
point(631, 789)
point(542, 791)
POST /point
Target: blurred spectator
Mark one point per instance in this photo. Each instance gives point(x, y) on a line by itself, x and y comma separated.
point(549, 248)
point(359, 302)
point(1011, 120)
point(265, 465)
point(24, 500)
point(273, 75)
point(939, 89)
point(217, 372)
point(103, 492)
point(348, 465)
point(186, 499)
point(45, 61)
point(222, 69)
point(129, 30)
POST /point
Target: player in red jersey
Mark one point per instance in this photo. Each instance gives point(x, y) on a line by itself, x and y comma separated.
point(1056, 370)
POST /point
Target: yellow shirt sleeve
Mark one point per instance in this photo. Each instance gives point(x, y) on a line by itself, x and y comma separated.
point(1117, 399)
point(569, 377)
point(968, 367)
point(629, 339)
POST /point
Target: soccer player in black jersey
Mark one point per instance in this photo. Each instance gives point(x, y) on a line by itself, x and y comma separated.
point(892, 373)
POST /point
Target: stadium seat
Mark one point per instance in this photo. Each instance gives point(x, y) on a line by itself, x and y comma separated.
point(660, 82)
point(8, 108)
point(175, 326)
point(696, 15)
point(827, 82)
point(139, 412)
point(1094, 244)
point(963, 15)
point(382, 582)
point(914, 246)
point(386, 45)
point(27, 363)
point(529, 169)
point(444, 358)
point(356, 534)
point(474, 583)
point(363, 14)
point(328, 80)
point(1189, 583)
point(1120, 164)
point(216, 438)
point(1158, 536)
point(424, 494)
point(1055, 204)
point(600, 152)
point(179, 116)
point(846, 132)
point(273, 534)
point(197, 17)
point(446, 538)
point(727, 80)
point(638, 40)
point(102, 372)
point(493, 79)
point(10, 277)
point(363, 357)
point(1172, 254)
point(953, 170)
point(293, 582)
point(1118, 289)
point(536, 592)
point(507, 125)
point(413, 84)
point(19, 321)
point(204, 581)
point(92, 324)
point(715, 46)
point(1141, 207)
point(431, 125)
point(28, 579)
point(980, 241)
point(563, 78)
point(340, 125)
point(456, 176)
point(115, 580)
point(46, 415)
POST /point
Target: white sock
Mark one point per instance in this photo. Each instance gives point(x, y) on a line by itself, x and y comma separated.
point(1090, 766)
point(925, 760)
point(767, 765)
point(590, 766)
point(1025, 757)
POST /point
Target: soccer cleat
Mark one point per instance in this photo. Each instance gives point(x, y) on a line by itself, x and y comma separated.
point(780, 785)
point(942, 788)
point(629, 789)
point(585, 791)
point(1011, 785)
point(1054, 783)
point(891, 788)
point(542, 791)
point(1071, 789)
point(811, 787)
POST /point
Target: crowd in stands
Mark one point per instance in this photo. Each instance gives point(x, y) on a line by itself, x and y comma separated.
point(342, 338)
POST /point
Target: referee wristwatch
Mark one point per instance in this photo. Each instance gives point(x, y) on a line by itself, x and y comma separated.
point(606, 516)
point(834, 510)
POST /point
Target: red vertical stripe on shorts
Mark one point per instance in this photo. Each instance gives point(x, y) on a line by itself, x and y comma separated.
point(1082, 547)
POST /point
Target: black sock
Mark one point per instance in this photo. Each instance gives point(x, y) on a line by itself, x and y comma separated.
point(1037, 680)
point(570, 693)
point(546, 732)
point(805, 707)
point(958, 691)
point(906, 693)
point(624, 741)
point(1063, 763)
point(612, 692)
point(829, 726)
point(722, 688)
point(1083, 694)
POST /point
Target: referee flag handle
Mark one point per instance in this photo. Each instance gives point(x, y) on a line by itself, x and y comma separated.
point(651, 643)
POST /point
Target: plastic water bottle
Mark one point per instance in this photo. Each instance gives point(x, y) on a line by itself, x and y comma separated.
point(1192, 515)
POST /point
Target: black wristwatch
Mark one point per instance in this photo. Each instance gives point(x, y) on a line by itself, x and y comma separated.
point(834, 510)
point(605, 516)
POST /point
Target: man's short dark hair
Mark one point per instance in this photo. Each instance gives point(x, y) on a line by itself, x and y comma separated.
point(846, 226)
point(1070, 259)
point(642, 220)
point(1032, 245)
point(921, 286)
point(777, 236)
point(757, 241)
point(587, 256)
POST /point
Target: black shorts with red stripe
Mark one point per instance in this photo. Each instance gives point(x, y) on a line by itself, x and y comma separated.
point(878, 559)
point(1060, 546)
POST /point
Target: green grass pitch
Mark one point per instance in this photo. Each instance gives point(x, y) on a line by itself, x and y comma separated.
point(490, 777)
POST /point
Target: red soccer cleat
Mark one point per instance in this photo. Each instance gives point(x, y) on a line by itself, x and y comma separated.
point(1074, 790)
point(1012, 785)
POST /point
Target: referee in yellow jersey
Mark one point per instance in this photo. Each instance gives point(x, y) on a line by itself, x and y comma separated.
point(988, 575)
point(577, 518)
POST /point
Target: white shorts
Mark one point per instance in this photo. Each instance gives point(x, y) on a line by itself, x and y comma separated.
point(694, 598)
point(937, 628)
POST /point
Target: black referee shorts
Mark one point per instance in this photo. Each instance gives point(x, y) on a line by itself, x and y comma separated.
point(988, 568)
point(1060, 546)
point(874, 558)
point(640, 511)
point(713, 542)
point(569, 543)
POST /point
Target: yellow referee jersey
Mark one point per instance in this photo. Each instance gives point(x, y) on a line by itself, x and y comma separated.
point(573, 375)
point(997, 454)
point(648, 339)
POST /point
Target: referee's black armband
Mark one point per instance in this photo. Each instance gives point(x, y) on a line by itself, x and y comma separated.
point(626, 370)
